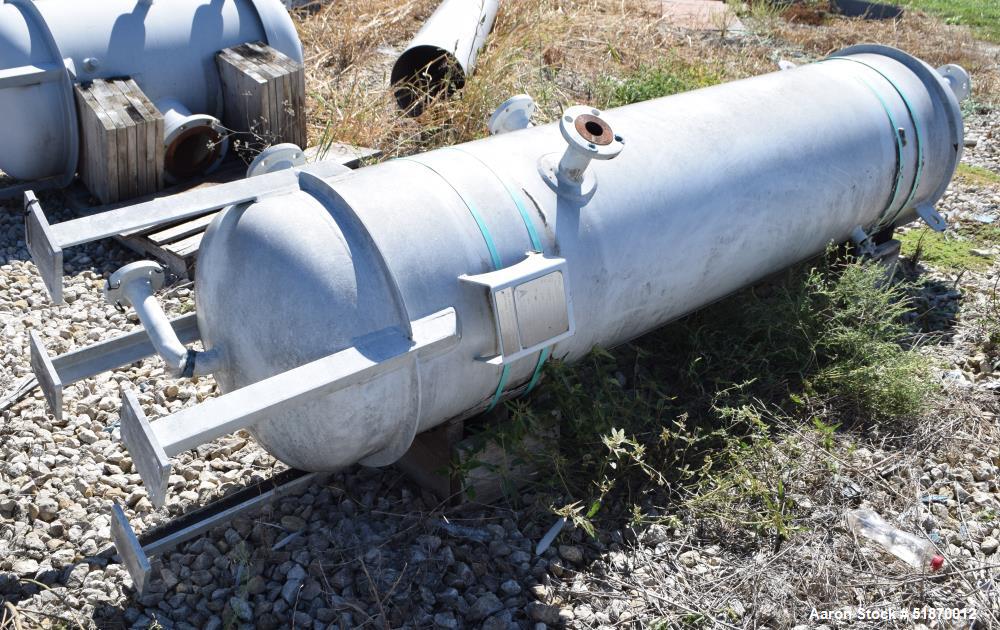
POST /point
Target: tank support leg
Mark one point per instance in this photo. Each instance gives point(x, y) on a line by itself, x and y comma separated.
point(152, 444)
point(135, 552)
point(46, 242)
point(54, 373)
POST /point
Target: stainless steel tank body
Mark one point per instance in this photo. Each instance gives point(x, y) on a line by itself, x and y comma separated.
point(167, 47)
point(344, 312)
point(712, 191)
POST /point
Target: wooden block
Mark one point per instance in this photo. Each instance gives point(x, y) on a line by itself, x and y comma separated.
point(459, 467)
point(264, 95)
point(121, 134)
point(151, 142)
point(103, 93)
point(95, 126)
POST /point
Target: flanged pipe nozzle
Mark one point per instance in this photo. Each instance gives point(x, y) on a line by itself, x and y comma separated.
point(588, 137)
point(958, 79)
point(133, 285)
point(513, 114)
point(194, 144)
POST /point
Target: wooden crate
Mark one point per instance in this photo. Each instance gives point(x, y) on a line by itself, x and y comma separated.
point(264, 97)
point(121, 140)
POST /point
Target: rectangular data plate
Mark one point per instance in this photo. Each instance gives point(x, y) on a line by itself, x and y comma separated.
point(531, 306)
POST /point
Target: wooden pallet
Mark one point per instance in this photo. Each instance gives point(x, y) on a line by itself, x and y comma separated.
point(176, 245)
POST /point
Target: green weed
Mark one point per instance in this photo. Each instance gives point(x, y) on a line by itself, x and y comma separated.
point(671, 76)
point(976, 175)
point(983, 16)
point(672, 409)
point(945, 250)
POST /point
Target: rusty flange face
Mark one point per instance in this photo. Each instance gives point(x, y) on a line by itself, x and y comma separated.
point(594, 129)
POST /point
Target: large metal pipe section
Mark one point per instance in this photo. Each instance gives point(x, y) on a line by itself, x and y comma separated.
point(443, 52)
point(712, 191)
point(168, 47)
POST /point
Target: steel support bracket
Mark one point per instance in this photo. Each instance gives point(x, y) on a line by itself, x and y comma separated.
point(46, 242)
point(55, 373)
point(531, 306)
point(150, 459)
point(932, 217)
point(127, 545)
point(135, 553)
point(46, 374)
point(863, 242)
point(389, 349)
point(24, 76)
point(42, 246)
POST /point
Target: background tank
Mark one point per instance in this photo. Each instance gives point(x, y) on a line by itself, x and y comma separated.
point(167, 47)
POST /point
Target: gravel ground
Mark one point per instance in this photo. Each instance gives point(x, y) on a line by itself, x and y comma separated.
point(370, 548)
point(982, 141)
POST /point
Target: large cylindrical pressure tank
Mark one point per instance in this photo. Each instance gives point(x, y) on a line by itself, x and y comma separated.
point(168, 47)
point(712, 191)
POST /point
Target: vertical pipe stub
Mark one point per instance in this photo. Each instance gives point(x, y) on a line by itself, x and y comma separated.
point(143, 271)
point(276, 158)
point(134, 285)
point(588, 137)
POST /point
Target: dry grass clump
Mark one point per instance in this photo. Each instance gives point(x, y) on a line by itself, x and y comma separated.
point(920, 35)
point(560, 51)
point(564, 52)
point(339, 34)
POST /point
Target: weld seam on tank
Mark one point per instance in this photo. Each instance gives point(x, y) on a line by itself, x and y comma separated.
point(536, 245)
point(942, 91)
point(898, 176)
point(495, 258)
point(477, 216)
point(325, 194)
